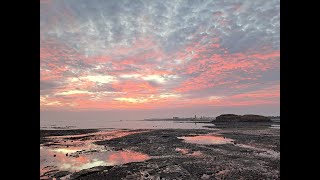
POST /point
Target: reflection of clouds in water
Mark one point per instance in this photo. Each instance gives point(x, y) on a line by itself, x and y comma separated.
point(91, 137)
point(89, 160)
point(206, 139)
point(186, 152)
point(123, 157)
point(183, 151)
point(76, 166)
point(83, 154)
point(93, 164)
point(62, 150)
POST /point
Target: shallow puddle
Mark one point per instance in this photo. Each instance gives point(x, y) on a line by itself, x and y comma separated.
point(96, 136)
point(187, 152)
point(183, 151)
point(72, 160)
point(72, 163)
point(75, 155)
point(206, 139)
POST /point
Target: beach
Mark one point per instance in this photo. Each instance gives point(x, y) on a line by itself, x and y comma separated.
point(220, 151)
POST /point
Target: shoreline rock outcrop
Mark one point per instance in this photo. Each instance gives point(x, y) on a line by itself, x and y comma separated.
point(241, 118)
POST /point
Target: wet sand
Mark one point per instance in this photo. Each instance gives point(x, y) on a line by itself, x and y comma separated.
point(237, 151)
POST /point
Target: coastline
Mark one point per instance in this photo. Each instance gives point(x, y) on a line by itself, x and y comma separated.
point(253, 154)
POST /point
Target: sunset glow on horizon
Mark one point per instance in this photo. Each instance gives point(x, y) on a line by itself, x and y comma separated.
point(146, 54)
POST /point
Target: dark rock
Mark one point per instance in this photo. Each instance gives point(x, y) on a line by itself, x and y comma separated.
point(243, 118)
point(255, 118)
point(61, 174)
point(227, 117)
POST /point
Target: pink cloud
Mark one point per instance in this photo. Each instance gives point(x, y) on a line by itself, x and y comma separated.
point(203, 70)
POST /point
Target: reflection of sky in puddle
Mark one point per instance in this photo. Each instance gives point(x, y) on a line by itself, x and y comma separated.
point(187, 152)
point(75, 155)
point(70, 150)
point(89, 160)
point(206, 139)
point(183, 151)
point(101, 135)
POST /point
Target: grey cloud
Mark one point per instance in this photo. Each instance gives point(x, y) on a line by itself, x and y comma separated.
point(271, 75)
point(45, 85)
point(103, 88)
point(48, 87)
point(101, 24)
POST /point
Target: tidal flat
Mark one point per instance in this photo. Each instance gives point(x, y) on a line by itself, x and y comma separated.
point(222, 151)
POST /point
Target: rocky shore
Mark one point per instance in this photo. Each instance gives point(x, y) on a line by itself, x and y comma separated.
point(253, 153)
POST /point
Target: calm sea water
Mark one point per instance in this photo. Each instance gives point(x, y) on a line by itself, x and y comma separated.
point(125, 124)
point(121, 124)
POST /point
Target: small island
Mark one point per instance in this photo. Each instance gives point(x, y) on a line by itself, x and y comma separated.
point(241, 118)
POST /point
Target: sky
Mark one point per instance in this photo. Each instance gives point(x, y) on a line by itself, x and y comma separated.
point(133, 59)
